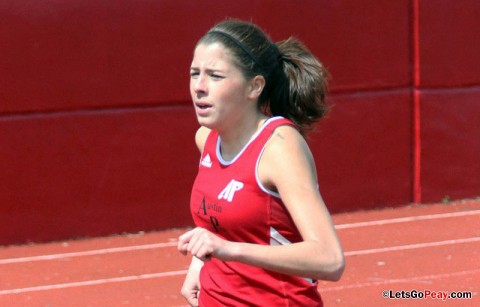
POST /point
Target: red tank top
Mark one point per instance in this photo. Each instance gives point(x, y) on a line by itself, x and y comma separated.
point(228, 199)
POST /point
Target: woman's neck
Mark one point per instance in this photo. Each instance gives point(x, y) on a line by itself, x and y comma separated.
point(235, 139)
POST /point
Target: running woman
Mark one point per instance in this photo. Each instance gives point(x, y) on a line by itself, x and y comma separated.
point(263, 234)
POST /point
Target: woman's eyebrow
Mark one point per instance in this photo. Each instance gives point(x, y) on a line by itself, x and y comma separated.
point(214, 70)
point(208, 70)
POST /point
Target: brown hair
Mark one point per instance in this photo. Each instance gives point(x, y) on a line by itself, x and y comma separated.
point(296, 82)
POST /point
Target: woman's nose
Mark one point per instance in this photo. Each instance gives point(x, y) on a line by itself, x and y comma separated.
point(200, 84)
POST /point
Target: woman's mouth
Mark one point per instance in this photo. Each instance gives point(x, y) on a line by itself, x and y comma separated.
point(202, 107)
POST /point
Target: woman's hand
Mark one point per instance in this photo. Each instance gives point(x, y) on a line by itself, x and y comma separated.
point(202, 244)
point(191, 286)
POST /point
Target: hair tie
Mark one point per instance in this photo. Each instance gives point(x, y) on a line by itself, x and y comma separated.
point(240, 45)
point(276, 51)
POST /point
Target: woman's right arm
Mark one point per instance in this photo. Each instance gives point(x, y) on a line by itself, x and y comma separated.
point(191, 285)
point(201, 137)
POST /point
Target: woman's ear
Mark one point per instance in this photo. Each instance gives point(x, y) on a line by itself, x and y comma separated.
point(257, 84)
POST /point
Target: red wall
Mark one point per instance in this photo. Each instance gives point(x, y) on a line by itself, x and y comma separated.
point(449, 88)
point(96, 128)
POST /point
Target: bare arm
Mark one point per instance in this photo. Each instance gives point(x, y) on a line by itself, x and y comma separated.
point(201, 137)
point(191, 285)
point(288, 167)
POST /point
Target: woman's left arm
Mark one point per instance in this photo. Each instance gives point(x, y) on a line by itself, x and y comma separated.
point(288, 167)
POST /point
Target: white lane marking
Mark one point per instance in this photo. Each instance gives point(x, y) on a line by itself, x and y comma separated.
point(170, 244)
point(93, 282)
point(408, 219)
point(183, 272)
point(419, 279)
point(411, 246)
point(87, 253)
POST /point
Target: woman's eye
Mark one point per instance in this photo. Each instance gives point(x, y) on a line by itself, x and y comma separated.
point(193, 74)
point(216, 77)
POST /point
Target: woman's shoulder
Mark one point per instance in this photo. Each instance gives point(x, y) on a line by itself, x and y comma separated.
point(287, 145)
point(201, 137)
point(286, 157)
point(285, 136)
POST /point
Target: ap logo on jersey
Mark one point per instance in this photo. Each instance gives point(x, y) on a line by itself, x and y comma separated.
point(230, 190)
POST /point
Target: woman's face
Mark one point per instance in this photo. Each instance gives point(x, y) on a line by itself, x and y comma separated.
point(218, 87)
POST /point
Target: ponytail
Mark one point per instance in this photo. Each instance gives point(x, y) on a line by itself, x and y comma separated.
point(299, 94)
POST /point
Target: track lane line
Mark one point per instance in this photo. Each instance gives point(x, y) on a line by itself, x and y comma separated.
point(183, 272)
point(93, 282)
point(411, 246)
point(88, 253)
point(408, 219)
point(417, 279)
point(170, 244)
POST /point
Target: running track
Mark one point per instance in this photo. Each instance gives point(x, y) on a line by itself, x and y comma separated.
point(423, 248)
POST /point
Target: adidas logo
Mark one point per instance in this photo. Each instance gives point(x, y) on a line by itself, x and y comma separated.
point(206, 161)
point(230, 190)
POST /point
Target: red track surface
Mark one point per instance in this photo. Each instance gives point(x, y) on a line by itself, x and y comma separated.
point(423, 248)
